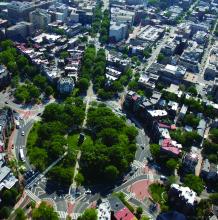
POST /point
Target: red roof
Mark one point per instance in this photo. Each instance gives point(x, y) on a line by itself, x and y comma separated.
point(171, 127)
point(124, 214)
point(1, 149)
point(134, 97)
point(168, 146)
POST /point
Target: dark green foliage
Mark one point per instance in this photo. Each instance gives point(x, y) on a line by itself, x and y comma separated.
point(20, 214)
point(160, 57)
point(8, 200)
point(155, 150)
point(214, 135)
point(49, 91)
point(105, 25)
point(203, 209)
point(113, 148)
point(96, 23)
point(187, 139)
point(62, 175)
point(121, 196)
point(172, 164)
point(192, 120)
point(194, 182)
point(5, 212)
point(83, 84)
point(214, 198)
point(192, 90)
point(46, 141)
point(44, 212)
point(210, 151)
point(87, 62)
point(40, 81)
point(89, 214)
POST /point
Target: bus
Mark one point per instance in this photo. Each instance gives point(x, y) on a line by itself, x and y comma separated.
point(22, 155)
point(17, 124)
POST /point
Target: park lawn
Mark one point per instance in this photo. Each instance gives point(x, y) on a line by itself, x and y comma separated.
point(158, 193)
point(72, 140)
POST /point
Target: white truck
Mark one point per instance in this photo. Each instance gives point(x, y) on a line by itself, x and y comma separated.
point(22, 155)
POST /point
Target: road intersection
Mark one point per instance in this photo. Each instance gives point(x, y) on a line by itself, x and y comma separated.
point(40, 189)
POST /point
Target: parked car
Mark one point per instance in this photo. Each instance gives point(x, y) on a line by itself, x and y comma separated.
point(88, 191)
point(163, 178)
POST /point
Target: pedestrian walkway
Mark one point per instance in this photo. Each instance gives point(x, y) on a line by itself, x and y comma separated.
point(138, 164)
point(75, 215)
point(33, 196)
point(68, 197)
point(129, 195)
point(62, 214)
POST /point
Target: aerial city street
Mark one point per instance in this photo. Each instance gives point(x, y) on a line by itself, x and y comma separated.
point(109, 109)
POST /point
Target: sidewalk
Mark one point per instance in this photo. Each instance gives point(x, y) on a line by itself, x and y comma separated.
point(10, 143)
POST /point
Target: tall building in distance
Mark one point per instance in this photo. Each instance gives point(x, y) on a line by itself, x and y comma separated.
point(40, 18)
point(19, 11)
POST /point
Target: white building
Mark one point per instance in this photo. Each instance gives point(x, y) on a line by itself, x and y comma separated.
point(118, 32)
point(7, 179)
point(184, 194)
point(104, 210)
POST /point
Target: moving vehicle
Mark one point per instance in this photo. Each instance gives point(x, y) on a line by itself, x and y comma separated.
point(21, 154)
point(22, 133)
point(17, 124)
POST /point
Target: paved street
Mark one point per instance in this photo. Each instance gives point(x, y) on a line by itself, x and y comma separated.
point(20, 140)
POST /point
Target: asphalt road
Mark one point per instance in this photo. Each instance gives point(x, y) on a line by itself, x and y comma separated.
point(20, 141)
point(143, 146)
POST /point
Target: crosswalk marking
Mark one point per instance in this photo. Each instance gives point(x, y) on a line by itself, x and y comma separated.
point(138, 164)
point(68, 197)
point(129, 195)
point(33, 196)
point(62, 214)
point(75, 215)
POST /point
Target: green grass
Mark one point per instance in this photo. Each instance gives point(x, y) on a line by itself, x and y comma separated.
point(158, 193)
point(72, 140)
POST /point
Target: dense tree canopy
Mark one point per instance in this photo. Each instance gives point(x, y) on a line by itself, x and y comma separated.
point(46, 141)
point(194, 182)
point(44, 212)
point(113, 148)
point(105, 25)
point(21, 68)
point(155, 150)
point(187, 139)
point(20, 214)
point(191, 120)
point(89, 214)
point(8, 200)
point(172, 164)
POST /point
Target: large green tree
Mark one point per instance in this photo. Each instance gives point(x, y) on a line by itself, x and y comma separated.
point(89, 214)
point(111, 173)
point(20, 214)
point(44, 212)
point(194, 182)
